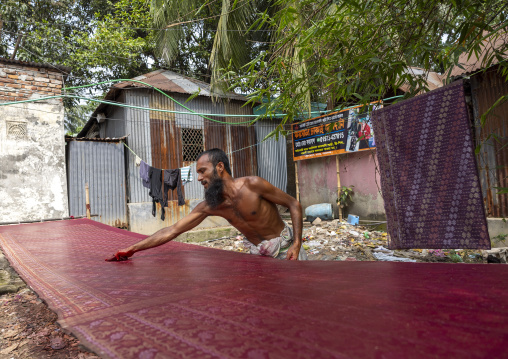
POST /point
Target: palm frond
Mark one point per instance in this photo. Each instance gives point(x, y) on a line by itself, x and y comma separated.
point(167, 13)
point(229, 42)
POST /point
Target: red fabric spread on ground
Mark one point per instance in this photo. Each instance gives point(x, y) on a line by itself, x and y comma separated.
point(181, 300)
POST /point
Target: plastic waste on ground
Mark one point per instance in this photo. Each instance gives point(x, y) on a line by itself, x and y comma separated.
point(383, 254)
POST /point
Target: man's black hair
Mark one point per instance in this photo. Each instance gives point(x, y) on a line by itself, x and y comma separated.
point(216, 155)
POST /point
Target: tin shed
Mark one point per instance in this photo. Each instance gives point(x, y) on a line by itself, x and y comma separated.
point(172, 140)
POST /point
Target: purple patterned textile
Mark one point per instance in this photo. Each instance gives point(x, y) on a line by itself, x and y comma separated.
point(429, 177)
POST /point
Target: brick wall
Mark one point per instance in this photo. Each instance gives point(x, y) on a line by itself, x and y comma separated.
point(20, 82)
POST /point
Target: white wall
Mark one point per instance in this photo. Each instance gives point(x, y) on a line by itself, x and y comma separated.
point(33, 181)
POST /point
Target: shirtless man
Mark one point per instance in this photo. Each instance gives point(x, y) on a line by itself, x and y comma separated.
point(249, 205)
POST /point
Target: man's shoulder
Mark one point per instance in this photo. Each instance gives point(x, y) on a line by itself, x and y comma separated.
point(202, 207)
point(251, 181)
point(256, 184)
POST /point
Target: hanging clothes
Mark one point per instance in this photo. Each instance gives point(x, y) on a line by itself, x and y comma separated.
point(172, 180)
point(186, 174)
point(156, 191)
point(144, 173)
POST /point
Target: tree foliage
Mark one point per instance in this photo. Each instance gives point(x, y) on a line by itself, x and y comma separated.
point(98, 40)
point(215, 31)
point(289, 51)
point(357, 51)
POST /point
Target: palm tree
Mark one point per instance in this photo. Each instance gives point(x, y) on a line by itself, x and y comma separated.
point(238, 31)
point(225, 23)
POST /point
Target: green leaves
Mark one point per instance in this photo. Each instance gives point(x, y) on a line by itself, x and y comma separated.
point(345, 196)
point(194, 95)
point(501, 190)
point(97, 39)
point(358, 51)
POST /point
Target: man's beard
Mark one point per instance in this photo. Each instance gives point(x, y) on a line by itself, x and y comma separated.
point(214, 194)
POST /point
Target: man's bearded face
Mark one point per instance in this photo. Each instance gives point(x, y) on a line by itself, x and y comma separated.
point(214, 194)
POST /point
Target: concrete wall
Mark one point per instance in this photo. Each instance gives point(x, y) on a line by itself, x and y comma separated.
point(33, 183)
point(32, 149)
point(359, 170)
point(318, 183)
point(317, 179)
point(498, 231)
point(142, 221)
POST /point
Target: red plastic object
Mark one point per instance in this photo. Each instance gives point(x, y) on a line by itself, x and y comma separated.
point(182, 300)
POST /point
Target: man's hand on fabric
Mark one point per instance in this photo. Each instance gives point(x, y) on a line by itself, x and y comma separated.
point(293, 251)
point(121, 255)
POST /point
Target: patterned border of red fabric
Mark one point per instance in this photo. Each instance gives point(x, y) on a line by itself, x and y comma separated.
point(429, 178)
point(182, 300)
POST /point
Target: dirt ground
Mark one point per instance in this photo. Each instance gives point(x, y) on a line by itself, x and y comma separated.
point(29, 328)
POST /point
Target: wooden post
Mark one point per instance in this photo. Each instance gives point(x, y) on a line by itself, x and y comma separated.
point(87, 192)
point(296, 180)
point(338, 186)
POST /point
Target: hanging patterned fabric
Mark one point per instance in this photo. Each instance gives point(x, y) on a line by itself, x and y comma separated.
point(429, 178)
point(186, 173)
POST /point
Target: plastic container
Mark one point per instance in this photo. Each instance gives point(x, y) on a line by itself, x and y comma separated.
point(353, 220)
point(322, 210)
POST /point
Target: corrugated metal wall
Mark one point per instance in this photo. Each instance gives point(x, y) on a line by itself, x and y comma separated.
point(101, 165)
point(487, 88)
point(242, 140)
point(137, 126)
point(157, 138)
point(228, 138)
point(271, 156)
point(213, 133)
point(115, 123)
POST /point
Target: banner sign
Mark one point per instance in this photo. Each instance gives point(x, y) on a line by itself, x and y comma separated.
point(332, 134)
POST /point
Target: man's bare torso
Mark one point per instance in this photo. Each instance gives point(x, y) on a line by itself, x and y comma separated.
point(247, 211)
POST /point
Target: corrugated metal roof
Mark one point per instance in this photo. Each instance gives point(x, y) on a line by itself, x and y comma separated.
point(64, 69)
point(434, 80)
point(172, 82)
point(474, 63)
point(107, 139)
point(165, 80)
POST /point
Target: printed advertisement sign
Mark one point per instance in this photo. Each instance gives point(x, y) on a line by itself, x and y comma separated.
point(332, 134)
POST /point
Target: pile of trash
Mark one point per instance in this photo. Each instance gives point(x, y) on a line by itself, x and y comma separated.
point(341, 241)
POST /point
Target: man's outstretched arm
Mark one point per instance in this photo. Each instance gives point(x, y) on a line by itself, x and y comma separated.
point(164, 235)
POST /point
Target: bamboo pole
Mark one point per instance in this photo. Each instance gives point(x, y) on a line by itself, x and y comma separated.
point(87, 193)
point(338, 186)
point(297, 184)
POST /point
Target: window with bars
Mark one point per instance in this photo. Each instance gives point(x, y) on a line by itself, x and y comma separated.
point(17, 130)
point(192, 143)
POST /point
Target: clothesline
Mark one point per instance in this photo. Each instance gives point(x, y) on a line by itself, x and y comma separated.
point(193, 162)
point(258, 143)
point(160, 181)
